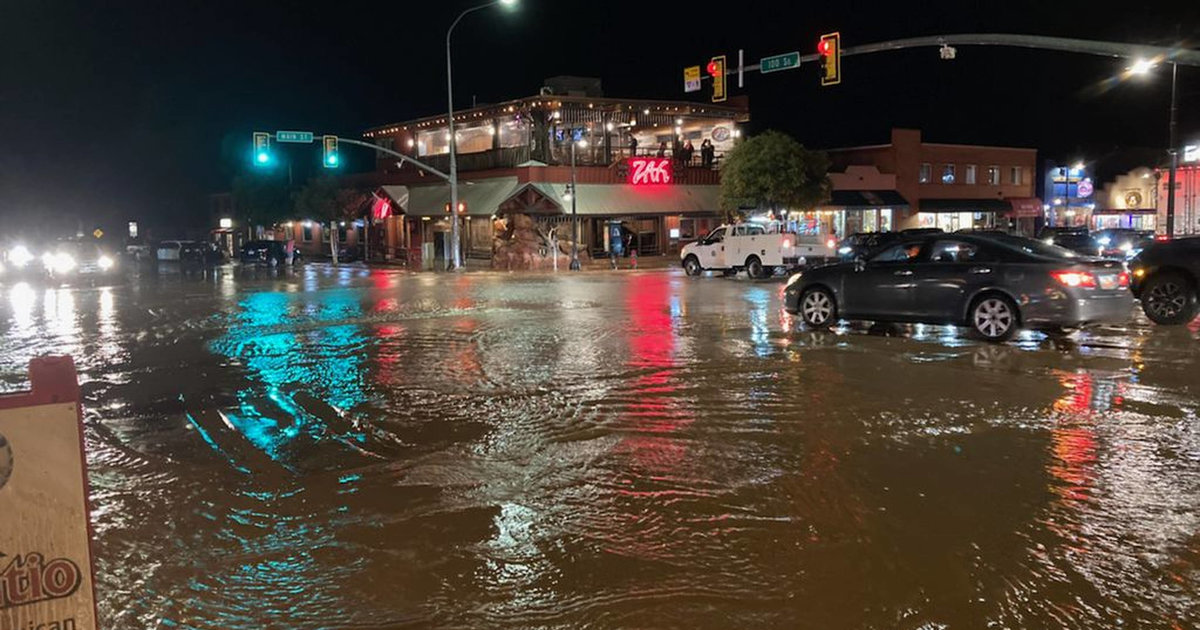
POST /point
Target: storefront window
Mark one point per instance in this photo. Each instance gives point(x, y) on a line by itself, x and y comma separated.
point(435, 142)
point(954, 221)
point(474, 139)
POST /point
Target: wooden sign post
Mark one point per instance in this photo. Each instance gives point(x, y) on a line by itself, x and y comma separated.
point(46, 577)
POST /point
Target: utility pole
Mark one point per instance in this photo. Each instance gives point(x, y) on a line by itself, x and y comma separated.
point(1173, 150)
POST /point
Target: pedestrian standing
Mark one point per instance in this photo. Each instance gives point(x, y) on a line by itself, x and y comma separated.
point(662, 149)
point(632, 145)
point(706, 153)
point(686, 154)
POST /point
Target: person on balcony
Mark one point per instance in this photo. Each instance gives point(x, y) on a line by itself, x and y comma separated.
point(685, 154)
point(707, 153)
point(662, 149)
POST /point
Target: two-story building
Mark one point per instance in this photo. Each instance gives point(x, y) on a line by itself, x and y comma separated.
point(911, 183)
point(645, 164)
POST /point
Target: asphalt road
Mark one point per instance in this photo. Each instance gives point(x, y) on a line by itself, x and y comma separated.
point(332, 448)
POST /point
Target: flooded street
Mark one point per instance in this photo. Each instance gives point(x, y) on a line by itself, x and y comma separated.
point(344, 448)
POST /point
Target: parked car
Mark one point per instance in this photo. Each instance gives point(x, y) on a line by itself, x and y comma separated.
point(204, 254)
point(66, 260)
point(168, 251)
point(992, 284)
point(1076, 239)
point(1120, 243)
point(267, 253)
point(1166, 278)
point(749, 247)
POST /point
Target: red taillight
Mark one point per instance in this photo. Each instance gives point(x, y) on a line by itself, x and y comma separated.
point(1162, 237)
point(1076, 279)
point(831, 243)
point(787, 243)
point(1123, 279)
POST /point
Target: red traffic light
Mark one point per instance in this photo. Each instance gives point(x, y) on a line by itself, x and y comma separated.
point(712, 68)
point(824, 47)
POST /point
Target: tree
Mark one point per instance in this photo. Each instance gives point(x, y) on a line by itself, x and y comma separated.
point(322, 198)
point(772, 171)
point(260, 199)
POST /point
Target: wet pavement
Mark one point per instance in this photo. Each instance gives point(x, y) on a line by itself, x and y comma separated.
point(343, 448)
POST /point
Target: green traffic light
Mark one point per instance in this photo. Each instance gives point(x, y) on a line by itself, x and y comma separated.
point(263, 157)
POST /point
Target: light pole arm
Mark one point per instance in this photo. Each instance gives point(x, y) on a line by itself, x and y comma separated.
point(403, 158)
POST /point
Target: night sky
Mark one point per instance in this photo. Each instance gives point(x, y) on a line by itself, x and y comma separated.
point(118, 110)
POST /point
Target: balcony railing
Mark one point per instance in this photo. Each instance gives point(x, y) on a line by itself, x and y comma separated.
point(692, 172)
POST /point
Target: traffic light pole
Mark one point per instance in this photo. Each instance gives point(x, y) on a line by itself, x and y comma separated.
point(400, 156)
point(1177, 56)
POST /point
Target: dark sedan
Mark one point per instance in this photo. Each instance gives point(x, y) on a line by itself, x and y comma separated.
point(993, 284)
point(1076, 239)
point(1166, 278)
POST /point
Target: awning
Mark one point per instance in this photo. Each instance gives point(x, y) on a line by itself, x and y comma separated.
point(482, 197)
point(1108, 212)
point(859, 199)
point(623, 199)
point(965, 205)
point(1025, 207)
point(398, 195)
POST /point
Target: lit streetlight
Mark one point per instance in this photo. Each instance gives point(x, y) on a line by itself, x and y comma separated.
point(453, 256)
point(575, 266)
point(1142, 67)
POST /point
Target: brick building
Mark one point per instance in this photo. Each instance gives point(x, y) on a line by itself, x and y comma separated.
point(910, 183)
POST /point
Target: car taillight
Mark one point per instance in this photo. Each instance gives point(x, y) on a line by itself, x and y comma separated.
point(787, 243)
point(1123, 279)
point(1161, 237)
point(1076, 279)
point(831, 243)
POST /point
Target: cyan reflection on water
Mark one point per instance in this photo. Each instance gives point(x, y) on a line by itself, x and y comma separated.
point(345, 448)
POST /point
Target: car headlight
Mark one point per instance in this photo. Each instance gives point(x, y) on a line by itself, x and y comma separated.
point(105, 263)
point(1104, 240)
point(794, 279)
point(845, 250)
point(19, 256)
point(1126, 247)
point(1048, 241)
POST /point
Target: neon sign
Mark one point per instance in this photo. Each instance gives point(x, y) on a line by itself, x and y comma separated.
point(648, 171)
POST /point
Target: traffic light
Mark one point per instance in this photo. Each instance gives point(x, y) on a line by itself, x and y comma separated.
point(262, 148)
point(829, 51)
point(716, 68)
point(331, 151)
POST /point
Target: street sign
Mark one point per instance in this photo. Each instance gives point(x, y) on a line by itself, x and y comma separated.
point(786, 61)
point(691, 79)
point(305, 137)
point(98, 233)
point(1191, 153)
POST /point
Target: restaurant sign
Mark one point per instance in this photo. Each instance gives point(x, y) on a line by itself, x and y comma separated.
point(45, 542)
point(645, 171)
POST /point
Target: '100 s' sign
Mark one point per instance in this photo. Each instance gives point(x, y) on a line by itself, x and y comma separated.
point(644, 171)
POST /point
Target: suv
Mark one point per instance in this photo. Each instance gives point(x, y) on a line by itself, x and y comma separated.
point(1076, 239)
point(1166, 278)
point(1120, 243)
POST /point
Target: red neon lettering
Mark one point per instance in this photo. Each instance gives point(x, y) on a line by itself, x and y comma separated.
point(644, 171)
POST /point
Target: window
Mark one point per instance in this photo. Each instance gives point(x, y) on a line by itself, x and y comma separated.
point(386, 142)
point(970, 173)
point(904, 252)
point(926, 173)
point(948, 174)
point(1014, 176)
point(954, 251)
point(514, 133)
point(994, 175)
point(716, 236)
point(307, 232)
point(342, 234)
point(324, 234)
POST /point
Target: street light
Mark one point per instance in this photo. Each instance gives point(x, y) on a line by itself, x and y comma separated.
point(575, 266)
point(1143, 67)
point(453, 260)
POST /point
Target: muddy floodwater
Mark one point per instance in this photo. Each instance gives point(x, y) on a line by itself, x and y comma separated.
point(343, 448)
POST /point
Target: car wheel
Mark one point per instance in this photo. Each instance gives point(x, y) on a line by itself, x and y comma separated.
point(817, 308)
point(994, 318)
point(1169, 299)
point(691, 266)
point(754, 267)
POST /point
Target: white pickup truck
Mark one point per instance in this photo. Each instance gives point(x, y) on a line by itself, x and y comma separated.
point(750, 247)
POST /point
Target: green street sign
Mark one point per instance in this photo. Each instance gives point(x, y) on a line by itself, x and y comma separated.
point(305, 137)
point(786, 61)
